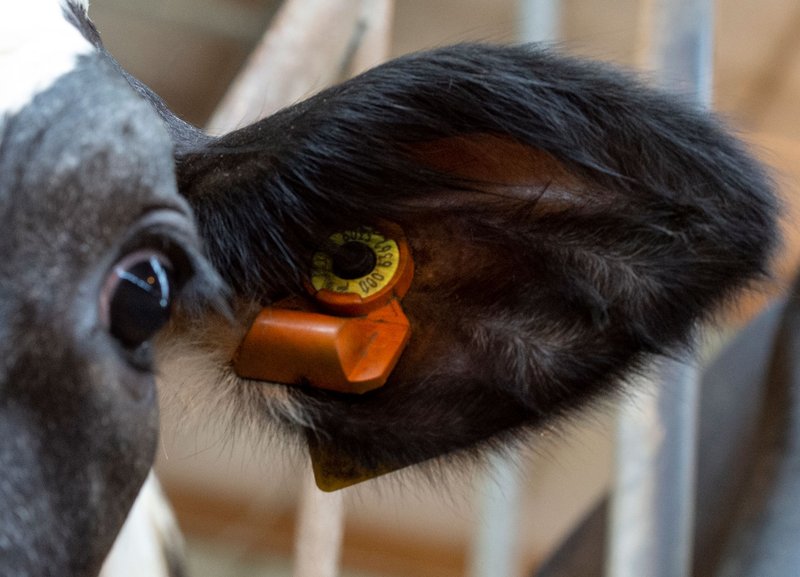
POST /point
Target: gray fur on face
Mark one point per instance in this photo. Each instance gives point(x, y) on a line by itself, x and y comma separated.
point(86, 177)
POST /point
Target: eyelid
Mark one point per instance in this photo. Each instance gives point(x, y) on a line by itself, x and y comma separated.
point(166, 224)
point(169, 232)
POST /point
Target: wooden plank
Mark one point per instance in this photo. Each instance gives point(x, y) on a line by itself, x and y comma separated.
point(375, 30)
point(302, 53)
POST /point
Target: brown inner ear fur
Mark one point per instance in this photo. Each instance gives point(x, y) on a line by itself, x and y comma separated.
point(507, 169)
point(461, 272)
point(512, 185)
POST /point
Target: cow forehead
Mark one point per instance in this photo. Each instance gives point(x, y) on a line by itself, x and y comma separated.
point(82, 156)
point(38, 45)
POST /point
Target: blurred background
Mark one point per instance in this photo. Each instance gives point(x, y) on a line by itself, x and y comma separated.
point(236, 499)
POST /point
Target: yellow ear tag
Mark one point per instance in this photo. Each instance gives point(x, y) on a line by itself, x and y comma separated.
point(361, 270)
point(373, 244)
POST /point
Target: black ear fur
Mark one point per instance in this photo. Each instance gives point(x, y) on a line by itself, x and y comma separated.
point(636, 215)
point(345, 152)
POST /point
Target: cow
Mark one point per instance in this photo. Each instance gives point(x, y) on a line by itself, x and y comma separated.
point(567, 224)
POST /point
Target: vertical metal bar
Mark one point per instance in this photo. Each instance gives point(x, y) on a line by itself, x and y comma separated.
point(495, 546)
point(652, 508)
point(652, 505)
point(320, 529)
point(539, 20)
point(679, 46)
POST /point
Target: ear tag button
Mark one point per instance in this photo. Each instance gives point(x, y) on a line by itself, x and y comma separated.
point(350, 333)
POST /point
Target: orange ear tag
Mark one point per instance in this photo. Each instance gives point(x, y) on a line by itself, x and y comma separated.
point(350, 334)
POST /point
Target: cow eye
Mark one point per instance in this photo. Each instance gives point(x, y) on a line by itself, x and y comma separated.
point(138, 297)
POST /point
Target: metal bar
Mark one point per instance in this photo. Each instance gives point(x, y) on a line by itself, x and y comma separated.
point(495, 546)
point(539, 20)
point(320, 528)
point(652, 507)
point(676, 44)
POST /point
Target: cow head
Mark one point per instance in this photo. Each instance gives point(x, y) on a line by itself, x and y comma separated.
point(97, 246)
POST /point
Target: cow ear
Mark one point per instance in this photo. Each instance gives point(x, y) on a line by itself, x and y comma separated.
point(565, 222)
